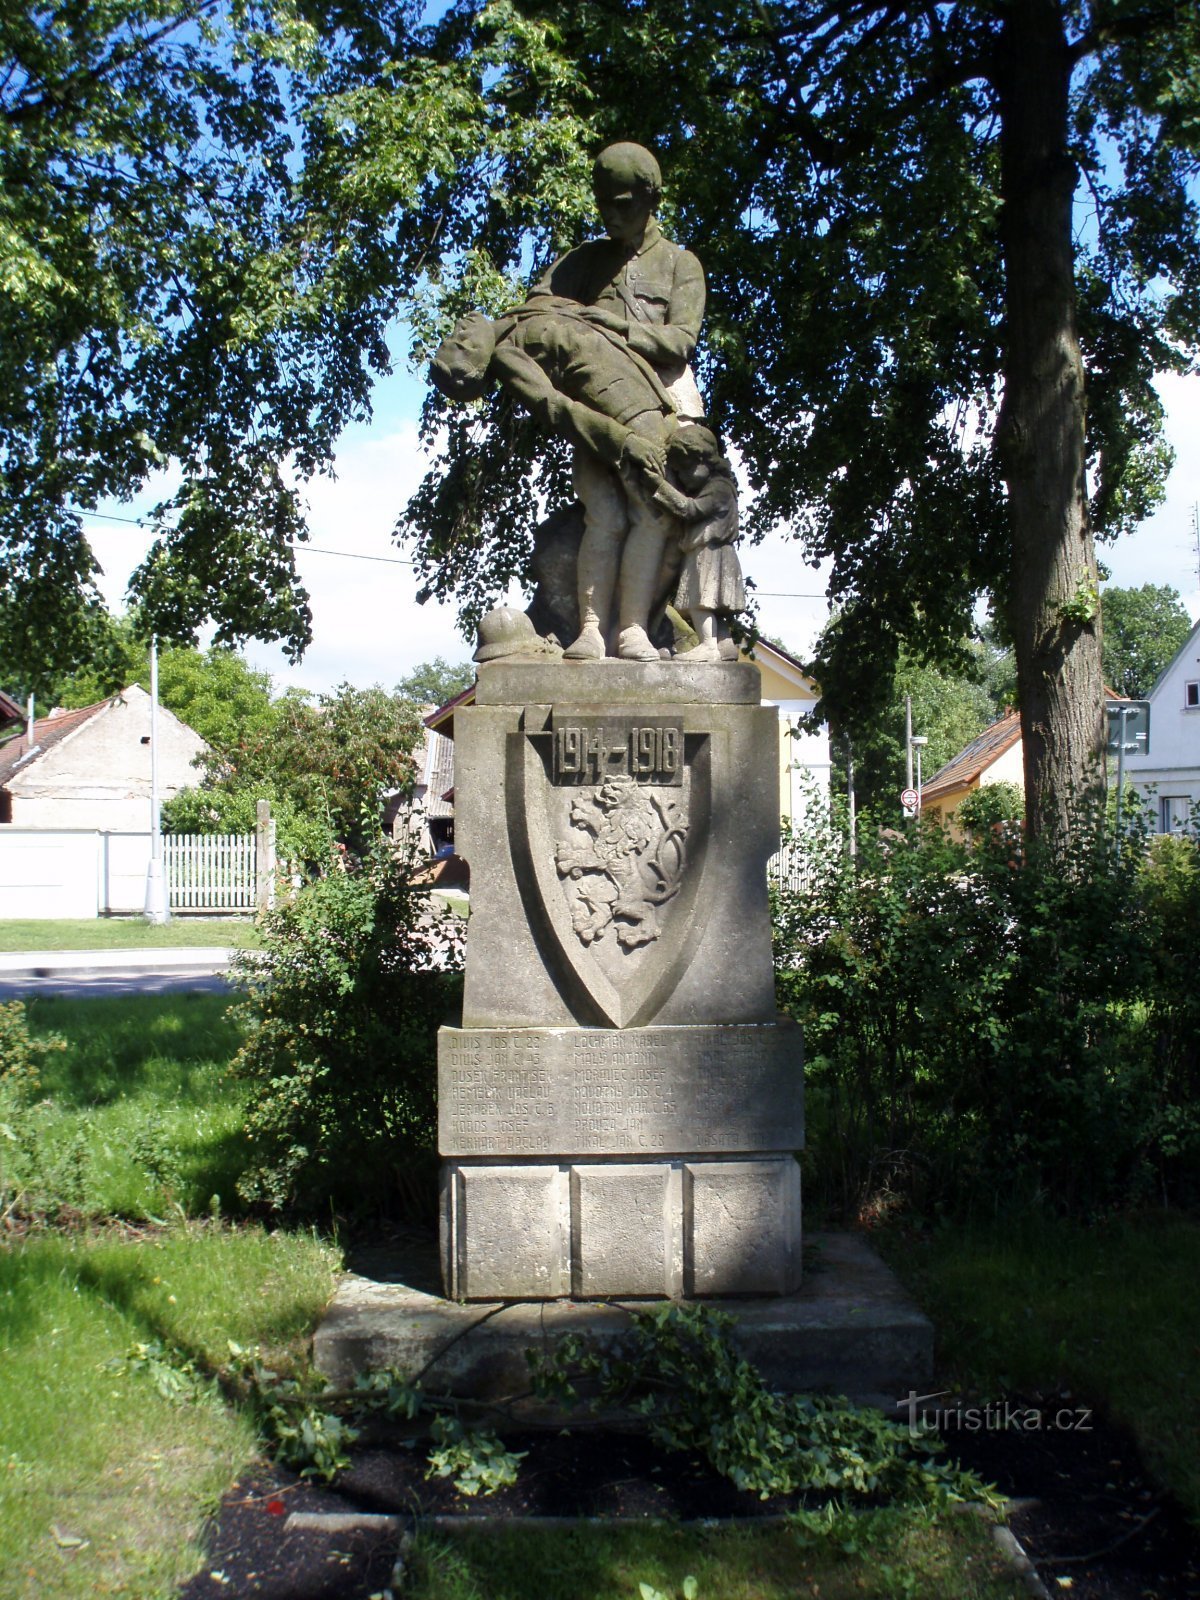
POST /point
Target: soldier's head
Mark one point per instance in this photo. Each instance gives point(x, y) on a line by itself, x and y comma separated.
point(460, 367)
point(627, 184)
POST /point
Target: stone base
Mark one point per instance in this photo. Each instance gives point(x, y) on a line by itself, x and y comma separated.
point(850, 1329)
point(661, 1227)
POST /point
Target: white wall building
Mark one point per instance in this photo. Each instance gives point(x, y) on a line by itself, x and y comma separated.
point(1168, 775)
point(90, 768)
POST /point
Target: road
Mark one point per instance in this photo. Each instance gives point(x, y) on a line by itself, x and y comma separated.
point(89, 974)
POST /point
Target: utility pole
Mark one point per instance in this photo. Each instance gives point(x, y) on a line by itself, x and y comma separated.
point(158, 901)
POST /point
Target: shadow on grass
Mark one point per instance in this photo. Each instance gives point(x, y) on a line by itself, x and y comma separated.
point(125, 1046)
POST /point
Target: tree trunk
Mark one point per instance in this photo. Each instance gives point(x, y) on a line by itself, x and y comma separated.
point(1053, 599)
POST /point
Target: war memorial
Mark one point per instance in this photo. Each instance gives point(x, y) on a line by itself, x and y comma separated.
point(620, 1105)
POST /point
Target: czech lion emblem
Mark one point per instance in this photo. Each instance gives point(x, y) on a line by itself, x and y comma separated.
point(623, 858)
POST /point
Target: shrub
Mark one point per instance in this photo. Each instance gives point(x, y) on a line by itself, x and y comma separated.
point(986, 1024)
point(343, 1005)
point(991, 805)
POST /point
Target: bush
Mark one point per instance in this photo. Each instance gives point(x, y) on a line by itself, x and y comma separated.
point(986, 1025)
point(991, 805)
point(344, 1001)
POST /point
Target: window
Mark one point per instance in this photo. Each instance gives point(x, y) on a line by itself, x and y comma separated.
point(1191, 695)
point(1174, 812)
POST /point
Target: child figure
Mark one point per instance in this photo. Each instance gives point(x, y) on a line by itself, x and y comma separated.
point(710, 579)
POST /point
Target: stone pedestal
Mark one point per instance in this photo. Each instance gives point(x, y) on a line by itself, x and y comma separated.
point(619, 1112)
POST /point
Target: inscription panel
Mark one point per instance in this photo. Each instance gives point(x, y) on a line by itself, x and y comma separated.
point(595, 1091)
point(588, 749)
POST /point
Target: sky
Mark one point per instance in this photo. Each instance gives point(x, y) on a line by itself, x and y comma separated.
point(368, 628)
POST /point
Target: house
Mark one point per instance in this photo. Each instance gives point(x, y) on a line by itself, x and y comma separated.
point(1168, 774)
point(90, 768)
point(804, 757)
point(994, 756)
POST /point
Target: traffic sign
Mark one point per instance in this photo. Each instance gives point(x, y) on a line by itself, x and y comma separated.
point(908, 799)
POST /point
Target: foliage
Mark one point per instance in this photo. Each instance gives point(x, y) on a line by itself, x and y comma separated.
point(990, 805)
point(473, 1458)
point(949, 708)
point(183, 293)
point(342, 1010)
point(434, 682)
point(680, 1368)
point(327, 766)
point(1143, 628)
point(876, 370)
point(987, 1025)
point(302, 839)
point(214, 691)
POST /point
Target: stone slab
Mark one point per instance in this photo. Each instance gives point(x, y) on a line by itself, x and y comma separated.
point(618, 683)
point(626, 1236)
point(741, 1227)
point(600, 1091)
point(541, 1229)
point(850, 1329)
point(507, 1231)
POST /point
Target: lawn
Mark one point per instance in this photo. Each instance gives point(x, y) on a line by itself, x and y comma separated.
point(1107, 1311)
point(127, 933)
point(881, 1555)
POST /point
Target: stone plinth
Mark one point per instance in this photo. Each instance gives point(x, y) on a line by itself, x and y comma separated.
point(620, 1110)
point(850, 1328)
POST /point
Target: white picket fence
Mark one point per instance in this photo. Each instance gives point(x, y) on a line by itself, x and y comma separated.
point(211, 871)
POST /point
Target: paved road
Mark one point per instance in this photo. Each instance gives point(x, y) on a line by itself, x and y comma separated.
point(86, 974)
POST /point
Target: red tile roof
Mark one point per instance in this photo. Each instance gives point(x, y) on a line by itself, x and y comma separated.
point(47, 732)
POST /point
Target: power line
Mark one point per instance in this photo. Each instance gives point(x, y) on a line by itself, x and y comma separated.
point(402, 561)
point(322, 550)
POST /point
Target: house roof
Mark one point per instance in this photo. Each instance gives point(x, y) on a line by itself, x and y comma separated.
point(1192, 640)
point(10, 711)
point(973, 761)
point(47, 732)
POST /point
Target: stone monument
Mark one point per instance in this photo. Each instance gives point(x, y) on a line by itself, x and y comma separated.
point(619, 1111)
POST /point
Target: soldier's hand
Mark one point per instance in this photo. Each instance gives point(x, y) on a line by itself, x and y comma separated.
point(650, 459)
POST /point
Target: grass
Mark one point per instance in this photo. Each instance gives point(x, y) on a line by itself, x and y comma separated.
point(1108, 1311)
point(127, 933)
point(106, 1474)
point(104, 1481)
point(880, 1555)
point(138, 1117)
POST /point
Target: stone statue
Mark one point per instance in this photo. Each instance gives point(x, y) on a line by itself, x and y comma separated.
point(599, 354)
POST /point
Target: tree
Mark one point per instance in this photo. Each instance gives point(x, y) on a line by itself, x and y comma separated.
point(434, 682)
point(181, 292)
point(948, 709)
point(330, 762)
point(1143, 628)
point(214, 691)
point(919, 356)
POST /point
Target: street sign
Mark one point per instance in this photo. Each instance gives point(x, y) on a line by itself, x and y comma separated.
point(908, 799)
point(1128, 726)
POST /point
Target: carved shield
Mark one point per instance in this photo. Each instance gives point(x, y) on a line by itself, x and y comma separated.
point(612, 880)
